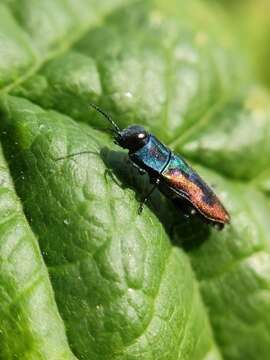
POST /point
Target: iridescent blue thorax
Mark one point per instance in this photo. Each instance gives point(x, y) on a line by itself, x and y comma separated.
point(153, 155)
point(176, 162)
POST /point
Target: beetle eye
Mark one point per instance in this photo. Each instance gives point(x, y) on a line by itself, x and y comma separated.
point(141, 135)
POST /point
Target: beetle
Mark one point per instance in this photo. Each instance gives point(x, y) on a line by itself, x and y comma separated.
point(168, 172)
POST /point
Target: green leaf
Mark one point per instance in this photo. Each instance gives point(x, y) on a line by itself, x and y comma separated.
point(121, 290)
point(30, 326)
point(251, 21)
point(32, 31)
point(126, 287)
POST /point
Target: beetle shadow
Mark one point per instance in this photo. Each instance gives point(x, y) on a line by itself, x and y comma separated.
point(188, 233)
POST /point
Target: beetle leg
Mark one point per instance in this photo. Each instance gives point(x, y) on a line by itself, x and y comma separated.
point(141, 171)
point(109, 172)
point(145, 199)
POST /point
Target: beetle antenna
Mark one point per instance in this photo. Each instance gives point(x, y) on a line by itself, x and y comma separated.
point(108, 117)
point(75, 154)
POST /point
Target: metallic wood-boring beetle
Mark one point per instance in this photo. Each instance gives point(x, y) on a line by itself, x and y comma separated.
point(169, 172)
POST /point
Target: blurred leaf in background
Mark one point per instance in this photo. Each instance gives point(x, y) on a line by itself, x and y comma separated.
point(82, 275)
point(251, 21)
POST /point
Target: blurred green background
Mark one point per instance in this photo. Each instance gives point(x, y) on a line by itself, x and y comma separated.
point(251, 19)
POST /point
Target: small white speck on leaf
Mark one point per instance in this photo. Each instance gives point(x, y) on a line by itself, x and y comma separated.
point(128, 94)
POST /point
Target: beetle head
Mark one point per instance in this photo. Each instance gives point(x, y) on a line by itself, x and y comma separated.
point(132, 138)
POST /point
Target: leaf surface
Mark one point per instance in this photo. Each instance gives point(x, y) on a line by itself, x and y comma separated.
point(155, 286)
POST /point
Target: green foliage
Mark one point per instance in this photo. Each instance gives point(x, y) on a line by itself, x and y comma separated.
point(252, 22)
point(82, 275)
